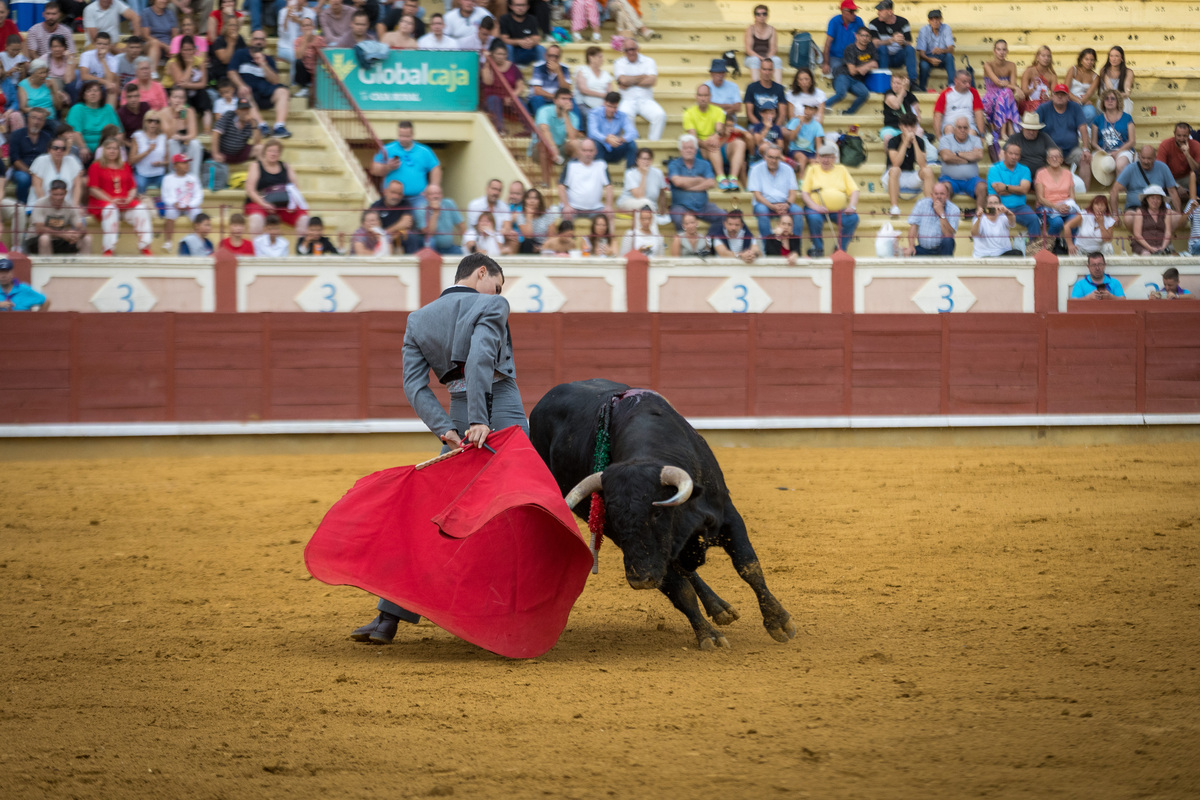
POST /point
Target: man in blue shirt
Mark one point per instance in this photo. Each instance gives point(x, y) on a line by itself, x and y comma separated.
point(1146, 171)
point(725, 94)
point(691, 178)
point(773, 186)
point(839, 35)
point(441, 223)
point(253, 72)
point(17, 296)
point(613, 132)
point(1068, 127)
point(411, 163)
point(1096, 285)
point(1010, 180)
point(935, 49)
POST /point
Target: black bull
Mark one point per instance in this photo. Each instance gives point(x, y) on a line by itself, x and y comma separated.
point(665, 497)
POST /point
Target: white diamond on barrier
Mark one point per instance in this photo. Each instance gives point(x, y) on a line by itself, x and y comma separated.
point(1147, 282)
point(534, 294)
point(123, 293)
point(944, 295)
point(328, 293)
point(739, 294)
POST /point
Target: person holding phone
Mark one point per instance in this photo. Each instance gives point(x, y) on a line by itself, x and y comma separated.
point(992, 231)
point(1096, 285)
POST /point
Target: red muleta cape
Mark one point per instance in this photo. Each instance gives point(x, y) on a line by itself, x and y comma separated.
point(481, 544)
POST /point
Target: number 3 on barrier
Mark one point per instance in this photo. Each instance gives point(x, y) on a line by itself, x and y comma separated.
point(126, 296)
point(535, 295)
point(948, 297)
point(331, 296)
point(741, 293)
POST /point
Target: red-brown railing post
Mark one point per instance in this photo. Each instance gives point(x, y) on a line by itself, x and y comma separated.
point(1045, 282)
point(637, 281)
point(225, 281)
point(842, 283)
point(430, 265)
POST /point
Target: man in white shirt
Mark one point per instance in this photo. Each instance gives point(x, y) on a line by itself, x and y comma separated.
point(489, 202)
point(463, 21)
point(584, 189)
point(479, 39)
point(636, 76)
point(106, 15)
point(271, 244)
point(100, 64)
point(960, 99)
point(436, 39)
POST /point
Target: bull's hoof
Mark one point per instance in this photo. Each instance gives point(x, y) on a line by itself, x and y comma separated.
point(785, 632)
point(726, 617)
point(712, 642)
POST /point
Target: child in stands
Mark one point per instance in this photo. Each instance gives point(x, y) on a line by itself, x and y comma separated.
point(314, 242)
point(271, 244)
point(197, 242)
point(236, 242)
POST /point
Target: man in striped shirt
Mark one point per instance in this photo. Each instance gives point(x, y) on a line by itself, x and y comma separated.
point(235, 136)
point(37, 38)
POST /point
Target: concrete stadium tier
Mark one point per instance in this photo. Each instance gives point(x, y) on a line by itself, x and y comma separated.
point(1157, 38)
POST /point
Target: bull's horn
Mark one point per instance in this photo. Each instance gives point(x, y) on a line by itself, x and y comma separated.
point(674, 476)
point(592, 483)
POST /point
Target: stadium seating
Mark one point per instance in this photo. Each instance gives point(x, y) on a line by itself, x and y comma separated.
point(694, 32)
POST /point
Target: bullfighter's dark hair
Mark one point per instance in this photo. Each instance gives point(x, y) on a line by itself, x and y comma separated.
point(474, 261)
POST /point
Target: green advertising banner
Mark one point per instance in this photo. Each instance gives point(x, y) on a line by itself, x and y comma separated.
point(408, 80)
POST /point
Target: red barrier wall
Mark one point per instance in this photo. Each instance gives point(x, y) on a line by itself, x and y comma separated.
point(150, 367)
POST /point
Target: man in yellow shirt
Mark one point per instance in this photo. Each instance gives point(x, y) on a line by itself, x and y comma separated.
point(707, 123)
point(828, 192)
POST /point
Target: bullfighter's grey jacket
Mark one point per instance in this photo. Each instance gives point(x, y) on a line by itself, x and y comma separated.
point(461, 334)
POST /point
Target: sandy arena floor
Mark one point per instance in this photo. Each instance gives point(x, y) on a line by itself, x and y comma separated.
point(1003, 622)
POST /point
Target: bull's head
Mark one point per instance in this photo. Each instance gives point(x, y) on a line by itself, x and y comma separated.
point(650, 527)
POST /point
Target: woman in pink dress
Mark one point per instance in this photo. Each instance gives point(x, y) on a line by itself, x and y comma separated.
point(1001, 93)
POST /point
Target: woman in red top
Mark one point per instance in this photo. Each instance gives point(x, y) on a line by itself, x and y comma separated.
point(113, 195)
point(216, 19)
point(496, 99)
point(7, 26)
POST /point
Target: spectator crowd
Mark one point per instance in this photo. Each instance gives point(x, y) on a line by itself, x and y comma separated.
point(116, 131)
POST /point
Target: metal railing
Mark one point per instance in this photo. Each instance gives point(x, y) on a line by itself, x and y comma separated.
point(514, 111)
point(345, 116)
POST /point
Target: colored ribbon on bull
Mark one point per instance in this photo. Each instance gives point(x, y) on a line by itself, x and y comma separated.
point(601, 458)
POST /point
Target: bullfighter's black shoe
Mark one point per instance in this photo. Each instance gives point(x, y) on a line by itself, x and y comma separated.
point(363, 634)
point(385, 629)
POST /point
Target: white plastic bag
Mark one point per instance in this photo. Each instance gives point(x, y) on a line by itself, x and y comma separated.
point(885, 241)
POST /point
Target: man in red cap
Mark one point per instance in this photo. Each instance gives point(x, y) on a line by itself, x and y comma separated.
point(839, 35)
point(1068, 127)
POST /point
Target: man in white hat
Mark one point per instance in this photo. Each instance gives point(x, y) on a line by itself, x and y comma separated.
point(829, 192)
point(1146, 171)
point(1033, 141)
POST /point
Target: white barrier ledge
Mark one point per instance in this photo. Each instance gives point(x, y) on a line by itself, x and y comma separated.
point(93, 429)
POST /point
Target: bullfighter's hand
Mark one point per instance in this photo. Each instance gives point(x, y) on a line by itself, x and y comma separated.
point(477, 434)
